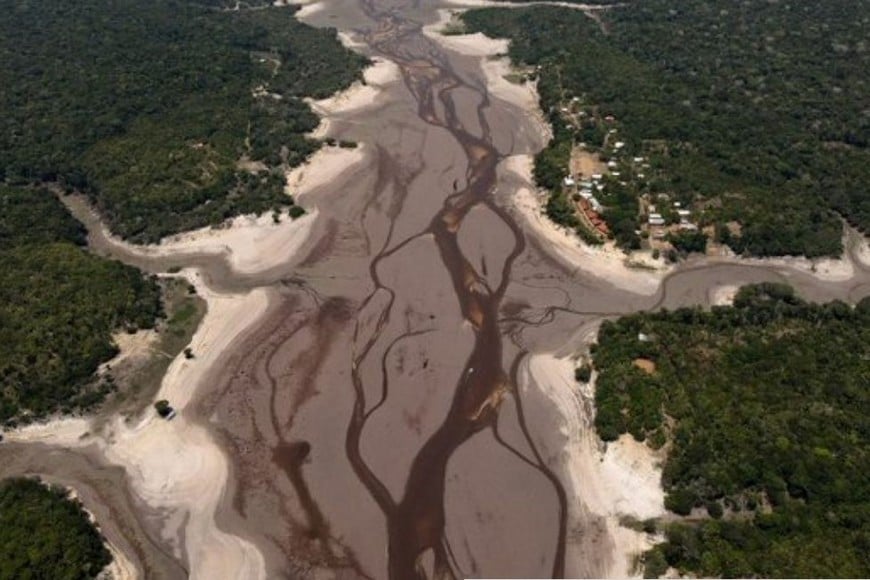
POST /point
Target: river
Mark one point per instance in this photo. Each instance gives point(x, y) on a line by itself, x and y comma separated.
point(373, 418)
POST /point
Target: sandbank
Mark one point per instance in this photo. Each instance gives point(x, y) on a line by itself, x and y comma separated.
point(324, 166)
point(723, 295)
point(359, 96)
point(176, 465)
point(495, 4)
point(826, 269)
point(606, 262)
point(604, 482)
point(120, 568)
point(494, 63)
point(309, 8)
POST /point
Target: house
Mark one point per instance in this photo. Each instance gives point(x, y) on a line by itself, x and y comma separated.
point(612, 164)
point(568, 181)
point(655, 219)
point(683, 213)
point(596, 177)
point(638, 159)
point(619, 144)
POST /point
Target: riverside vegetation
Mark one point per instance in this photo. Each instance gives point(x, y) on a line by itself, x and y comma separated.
point(59, 306)
point(763, 412)
point(46, 534)
point(170, 115)
point(752, 112)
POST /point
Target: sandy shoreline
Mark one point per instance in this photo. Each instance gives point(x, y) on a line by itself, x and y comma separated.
point(495, 4)
point(606, 262)
point(359, 96)
point(604, 483)
point(602, 486)
point(176, 466)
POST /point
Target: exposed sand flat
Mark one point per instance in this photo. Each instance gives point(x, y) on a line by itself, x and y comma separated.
point(429, 275)
point(605, 262)
point(67, 432)
point(495, 4)
point(326, 165)
point(827, 269)
point(862, 251)
point(121, 568)
point(176, 464)
point(132, 347)
point(360, 96)
point(309, 8)
point(250, 244)
point(723, 295)
point(477, 44)
point(495, 65)
point(605, 483)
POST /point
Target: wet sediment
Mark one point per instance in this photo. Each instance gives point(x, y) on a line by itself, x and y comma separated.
point(372, 420)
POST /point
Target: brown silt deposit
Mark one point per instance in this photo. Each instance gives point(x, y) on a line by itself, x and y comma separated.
point(402, 403)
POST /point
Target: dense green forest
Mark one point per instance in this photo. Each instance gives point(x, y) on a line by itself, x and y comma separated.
point(751, 111)
point(45, 534)
point(763, 409)
point(59, 306)
point(149, 107)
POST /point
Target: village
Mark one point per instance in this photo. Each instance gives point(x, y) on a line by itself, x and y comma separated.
point(597, 175)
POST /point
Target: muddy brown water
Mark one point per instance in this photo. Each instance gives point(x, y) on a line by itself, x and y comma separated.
point(372, 420)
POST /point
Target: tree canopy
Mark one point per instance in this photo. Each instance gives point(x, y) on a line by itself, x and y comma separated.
point(763, 411)
point(751, 111)
point(59, 306)
point(152, 107)
point(45, 534)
